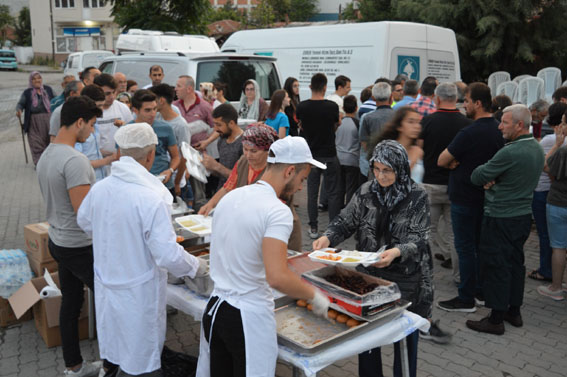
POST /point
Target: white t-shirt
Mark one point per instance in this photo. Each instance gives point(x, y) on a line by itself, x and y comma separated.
point(117, 110)
point(242, 219)
point(546, 143)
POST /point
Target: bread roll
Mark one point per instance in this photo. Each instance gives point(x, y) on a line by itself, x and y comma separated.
point(342, 318)
point(301, 303)
point(352, 322)
point(332, 314)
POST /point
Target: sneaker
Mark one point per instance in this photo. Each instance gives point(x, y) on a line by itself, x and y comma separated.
point(313, 234)
point(456, 305)
point(484, 325)
point(322, 207)
point(554, 295)
point(479, 300)
point(436, 334)
point(515, 321)
point(439, 256)
point(88, 369)
point(447, 263)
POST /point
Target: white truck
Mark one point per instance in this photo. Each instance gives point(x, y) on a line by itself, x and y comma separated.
point(361, 51)
point(137, 40)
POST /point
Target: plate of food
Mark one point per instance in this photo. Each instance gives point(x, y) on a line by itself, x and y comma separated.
point(348, 258)
point(197, 224)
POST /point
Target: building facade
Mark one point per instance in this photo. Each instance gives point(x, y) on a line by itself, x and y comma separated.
point(60, 27)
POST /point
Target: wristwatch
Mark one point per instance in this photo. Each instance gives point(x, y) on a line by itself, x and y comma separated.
point(171, 170)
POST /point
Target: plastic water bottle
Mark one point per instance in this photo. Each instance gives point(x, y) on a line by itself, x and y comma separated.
point(14, 271)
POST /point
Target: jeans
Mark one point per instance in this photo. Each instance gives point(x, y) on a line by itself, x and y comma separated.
point(370, 362)
point(467, 221)
point(332, 176)
point(348, 183)
point(502, 260)
point(538, 209)
point(75, 270)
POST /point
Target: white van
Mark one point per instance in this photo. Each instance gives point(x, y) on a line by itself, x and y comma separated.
point(78, 61)
point(230, 69)
point(361, 51)
point(156, 41)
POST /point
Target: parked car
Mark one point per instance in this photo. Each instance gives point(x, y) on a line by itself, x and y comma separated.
point(231, 69)
point(157, 41)
point(78, 61)
point(8, 60)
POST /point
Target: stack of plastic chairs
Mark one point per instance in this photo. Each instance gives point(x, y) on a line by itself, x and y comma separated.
point(509, 88)
point(530, 90)
point(552, 80)
point(517, 79)
point(495, 79)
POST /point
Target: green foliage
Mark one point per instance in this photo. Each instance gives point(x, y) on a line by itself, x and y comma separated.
point(44, 60)
point(519, 36)
point(228, 11)
point(262, 15)
point(295, 10)
point(23, 28)
point(182, 16)
point(6, 19)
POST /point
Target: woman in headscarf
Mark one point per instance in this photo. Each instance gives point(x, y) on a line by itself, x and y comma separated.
point(256, 142)
point(390, 210)
point(291, 86)
point(252, 105)
point(34, 101)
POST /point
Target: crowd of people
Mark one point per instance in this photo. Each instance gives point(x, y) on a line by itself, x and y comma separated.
point(419, 171)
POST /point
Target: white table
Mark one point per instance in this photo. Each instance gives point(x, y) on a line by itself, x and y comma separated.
point(182, 298)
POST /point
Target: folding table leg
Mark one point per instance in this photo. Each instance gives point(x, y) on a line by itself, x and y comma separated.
point(404, 357)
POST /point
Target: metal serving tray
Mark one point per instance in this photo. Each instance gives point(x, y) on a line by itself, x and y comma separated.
point(306, 333)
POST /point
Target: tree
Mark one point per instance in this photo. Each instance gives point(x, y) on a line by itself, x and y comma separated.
point(295, 10)
point(262, 15)
point(228, 11)
point(23, 28)
point(182, 16)
point(5, 20)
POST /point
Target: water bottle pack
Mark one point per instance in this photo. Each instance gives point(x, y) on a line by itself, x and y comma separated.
point(14, 271)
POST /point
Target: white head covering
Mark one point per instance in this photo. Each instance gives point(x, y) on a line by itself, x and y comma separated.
point(254, 109)
point(135, 135)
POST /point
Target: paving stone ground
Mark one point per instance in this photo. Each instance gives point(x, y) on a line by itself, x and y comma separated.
point(539, 348)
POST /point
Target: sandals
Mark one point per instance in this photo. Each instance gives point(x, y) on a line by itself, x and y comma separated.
point(535, 275)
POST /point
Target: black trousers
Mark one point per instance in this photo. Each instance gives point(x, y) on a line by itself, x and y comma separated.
point(370, 362)
point(349, 183)
point(227, 347)
point(75, 270)
point(501, 253)
point(332, 177)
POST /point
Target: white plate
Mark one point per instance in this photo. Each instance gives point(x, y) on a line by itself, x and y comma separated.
point(196, 224)
point(348, 258)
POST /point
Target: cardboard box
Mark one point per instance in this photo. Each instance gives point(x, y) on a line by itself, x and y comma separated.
point(36, 242)
point(46, 311)
point(7, 316)
point(39, 267)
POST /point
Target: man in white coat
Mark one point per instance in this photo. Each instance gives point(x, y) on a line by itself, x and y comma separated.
point(251, 227)
point(128, 216)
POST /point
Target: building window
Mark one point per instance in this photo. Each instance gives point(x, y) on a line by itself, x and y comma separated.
point(94, 3)
point(64, 3)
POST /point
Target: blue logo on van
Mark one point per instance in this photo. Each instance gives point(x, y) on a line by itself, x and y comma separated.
point(409, 66)
point(264, 53)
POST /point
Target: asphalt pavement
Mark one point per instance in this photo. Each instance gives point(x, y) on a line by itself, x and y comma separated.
point(539, 348)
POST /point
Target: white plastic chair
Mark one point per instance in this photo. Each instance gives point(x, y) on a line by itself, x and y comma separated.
point(495, 79)
point(551, 77)
point(517, 79)
point(509, 88)
point(530, 90)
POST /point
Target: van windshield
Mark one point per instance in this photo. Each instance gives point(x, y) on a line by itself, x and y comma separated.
point(234, 74)
point(7, 54)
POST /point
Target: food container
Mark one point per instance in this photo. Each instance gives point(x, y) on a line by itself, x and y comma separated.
point(345, 258)
point(361, 304)
point(306, 333)
point(202, 285)
point(196, 224)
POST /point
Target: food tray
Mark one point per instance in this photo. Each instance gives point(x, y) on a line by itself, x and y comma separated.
point(196, 224)
point(360, 304)
point(202, 285)
point(306, 333)
point(347, 258)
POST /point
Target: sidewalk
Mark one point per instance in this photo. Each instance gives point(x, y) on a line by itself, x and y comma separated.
point(539, 348)
point(39, 68)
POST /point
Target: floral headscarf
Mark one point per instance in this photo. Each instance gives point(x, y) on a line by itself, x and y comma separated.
point(250, 111)
point(394, 155)
point(259, 136)
point(44, 96)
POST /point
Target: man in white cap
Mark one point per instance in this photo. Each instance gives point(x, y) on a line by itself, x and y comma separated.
point(251, 226)
point(128, 216)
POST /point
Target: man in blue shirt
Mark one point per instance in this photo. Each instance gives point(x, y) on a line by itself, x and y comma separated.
point(411, 89)
point(144, 105)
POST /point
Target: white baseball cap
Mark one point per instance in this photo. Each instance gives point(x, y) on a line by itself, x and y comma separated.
point(135, 135)
point(292, 150)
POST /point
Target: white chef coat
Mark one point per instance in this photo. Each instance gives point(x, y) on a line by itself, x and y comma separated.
point(242, 219)
point(133, 244)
